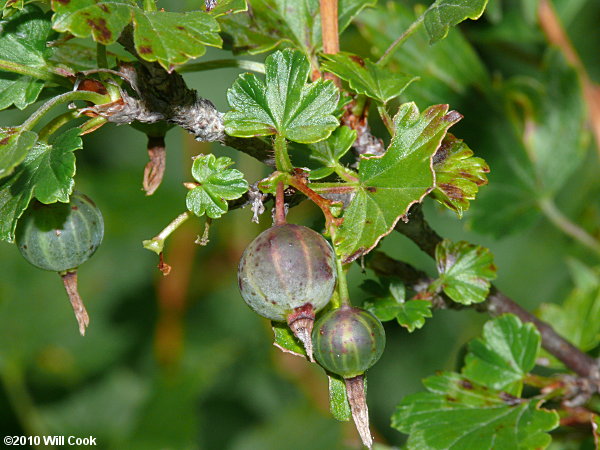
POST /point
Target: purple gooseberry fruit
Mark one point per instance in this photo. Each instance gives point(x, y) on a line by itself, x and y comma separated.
point(288, 273)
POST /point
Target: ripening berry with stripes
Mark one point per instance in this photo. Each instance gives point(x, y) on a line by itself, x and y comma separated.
point(60, 237)
point(288, 274)
point(347, 341)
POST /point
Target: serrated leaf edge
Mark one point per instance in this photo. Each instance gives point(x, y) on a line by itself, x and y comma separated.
point(403, 216)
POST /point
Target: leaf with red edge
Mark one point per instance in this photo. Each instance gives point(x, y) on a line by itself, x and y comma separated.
point(458, 174)
point(389, 184)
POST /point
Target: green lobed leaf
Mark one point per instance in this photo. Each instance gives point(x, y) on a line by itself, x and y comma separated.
point(273, 22)
point(338, 399)
point(216, 185)
point(465, 271)
point(388, 298)
point(173, 38)
point(286, 341)
point(389, 303)
point(14, 146)
point(329, 151)
point(286, 105)
point(23, 38)
point(170, 38)
point(391, 183)
point(443, 14)
point(366, 77)
point(506, 353)
point(102, 19)
point(458, 174)
point(46, 173)
point(456, 414)
point(413, 313)
point(577, 317)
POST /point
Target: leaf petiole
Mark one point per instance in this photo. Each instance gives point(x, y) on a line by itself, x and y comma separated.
point(243, 64)
point(334, 188)
point(92, 125)
point(63, 98)
point(387, 120)
point(33, 72)
point(282, 159)
point(157, 243)
point(101, 58)
point(55, 124)
point(330, 221)
point(342, 282)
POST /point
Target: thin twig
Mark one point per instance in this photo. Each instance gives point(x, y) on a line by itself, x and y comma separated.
point(497, 303)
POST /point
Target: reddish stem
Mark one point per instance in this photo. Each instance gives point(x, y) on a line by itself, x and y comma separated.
point(299, 183)
point(279, 205)
point(330, 32)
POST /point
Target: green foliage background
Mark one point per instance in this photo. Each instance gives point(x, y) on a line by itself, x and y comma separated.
point(182, 363)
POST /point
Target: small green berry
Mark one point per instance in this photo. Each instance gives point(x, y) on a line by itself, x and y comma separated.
point(60, 236)
point(347, 341)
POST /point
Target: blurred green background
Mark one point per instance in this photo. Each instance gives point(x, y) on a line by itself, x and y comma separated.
point(180, 362)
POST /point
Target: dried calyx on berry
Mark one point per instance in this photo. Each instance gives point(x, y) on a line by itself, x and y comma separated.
point(288, 274)
point(347, 341)
point(60, 237)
